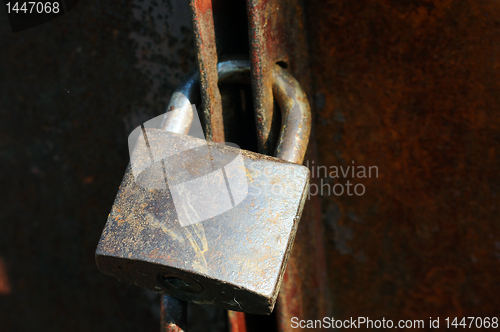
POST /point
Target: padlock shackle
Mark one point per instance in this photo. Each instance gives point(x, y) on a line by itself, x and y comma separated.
point(295, 115)
point(291, 99)
point(179, 116)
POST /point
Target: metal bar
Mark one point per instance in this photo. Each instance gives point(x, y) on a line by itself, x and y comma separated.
point(237, 322)
point(258, 19)
point(203, 27)
point(276, 36)
point(173, 314)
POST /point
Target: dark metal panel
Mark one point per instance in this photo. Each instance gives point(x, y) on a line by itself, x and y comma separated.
point(411, 87)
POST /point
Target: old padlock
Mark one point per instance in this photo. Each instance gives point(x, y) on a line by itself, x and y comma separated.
point(236, 258)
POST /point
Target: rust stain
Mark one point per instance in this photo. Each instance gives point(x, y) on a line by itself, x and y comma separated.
point(88, 180)
point(5, 287)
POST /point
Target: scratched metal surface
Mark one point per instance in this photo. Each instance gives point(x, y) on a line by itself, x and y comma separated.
point(411, 87)
point(71, 92)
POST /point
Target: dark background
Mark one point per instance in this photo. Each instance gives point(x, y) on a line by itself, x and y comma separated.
point(409, 86)
point(71, 92)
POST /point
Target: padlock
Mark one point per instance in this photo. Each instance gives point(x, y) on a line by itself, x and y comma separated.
point(236, 258)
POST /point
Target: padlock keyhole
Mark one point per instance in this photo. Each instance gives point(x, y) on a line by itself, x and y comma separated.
point(182, 284)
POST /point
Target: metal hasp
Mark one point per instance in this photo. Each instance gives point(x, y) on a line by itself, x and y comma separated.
point(235, 260)
point(273, 31)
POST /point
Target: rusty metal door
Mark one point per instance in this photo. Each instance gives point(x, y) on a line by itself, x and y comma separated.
point(405, 89)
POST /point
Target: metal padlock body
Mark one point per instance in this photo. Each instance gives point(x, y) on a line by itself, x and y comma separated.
point(235, 260)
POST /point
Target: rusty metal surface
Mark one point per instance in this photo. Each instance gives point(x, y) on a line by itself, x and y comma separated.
point(173, 315)
point(220, 29)
point(411, 87)
point(277, 34)
point(203, 28)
